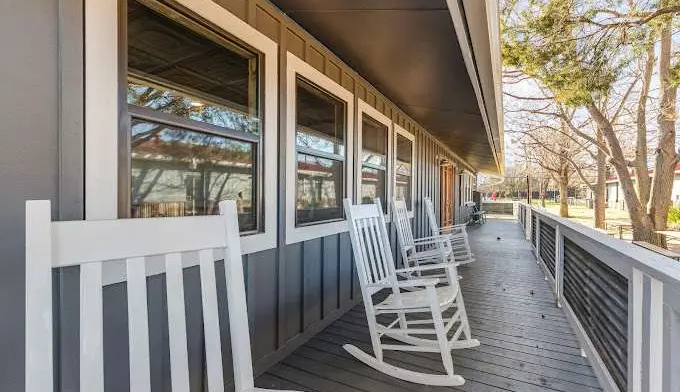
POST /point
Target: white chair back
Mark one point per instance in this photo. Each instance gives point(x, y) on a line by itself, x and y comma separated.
point(431, 216)
point(403, 224)
point(90, 244)
point(371, 246)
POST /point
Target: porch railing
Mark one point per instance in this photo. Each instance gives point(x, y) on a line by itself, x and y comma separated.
point(622, 300)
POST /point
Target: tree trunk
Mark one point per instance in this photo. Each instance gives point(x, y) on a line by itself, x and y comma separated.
point(641, 166)
point(564, 205)
point(599, 195)
point(662, 185)
point(643, 229)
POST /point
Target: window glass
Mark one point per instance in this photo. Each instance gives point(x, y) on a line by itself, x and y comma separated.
point(319, 189)
point(176, 172)
point(175, 70)
point(373, 142)
point(373, 185)
point(402, 189)
point(320, 120)
point(320, 140)
point(197, 140)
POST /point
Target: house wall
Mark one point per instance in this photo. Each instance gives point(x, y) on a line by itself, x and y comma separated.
point(293, 291)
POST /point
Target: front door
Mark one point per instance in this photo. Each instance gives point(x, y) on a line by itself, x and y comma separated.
point(446, 176)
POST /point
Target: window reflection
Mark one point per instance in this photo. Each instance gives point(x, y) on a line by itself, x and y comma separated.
point(177, 172)
point(320, 120)
point(319, 189)
point(403, 169)
point(176, 70)
point(320, 141)
point(372, 186)
point(373, 142)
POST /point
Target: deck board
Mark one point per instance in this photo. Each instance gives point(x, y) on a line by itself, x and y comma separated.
point(527, 342)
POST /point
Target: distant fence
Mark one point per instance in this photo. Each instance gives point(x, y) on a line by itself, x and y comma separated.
point(498, 207)
point(622, 300)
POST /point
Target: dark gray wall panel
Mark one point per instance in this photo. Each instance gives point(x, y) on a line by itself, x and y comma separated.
point(311, 288)
point(292, 300)
point(262, 302)
point(346, 269)
point(28, 155)
point(329, 281)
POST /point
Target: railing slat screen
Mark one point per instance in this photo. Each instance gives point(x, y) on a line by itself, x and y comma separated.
point(598, 295)
point(547, 250)
point(533, 229)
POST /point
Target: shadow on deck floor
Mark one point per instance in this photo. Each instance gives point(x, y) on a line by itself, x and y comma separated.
point(527, 343)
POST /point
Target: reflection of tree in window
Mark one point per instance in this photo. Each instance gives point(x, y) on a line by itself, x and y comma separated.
point(320, 141)
point(403, 170)
point(195, 119)
point(374, 161)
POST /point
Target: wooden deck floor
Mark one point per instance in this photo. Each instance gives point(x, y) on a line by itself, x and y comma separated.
point(527, 343)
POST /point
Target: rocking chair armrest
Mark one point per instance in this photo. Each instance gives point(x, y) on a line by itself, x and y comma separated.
point(426, 267)
point(407, 283)
point(460, 227)
point(432, 239)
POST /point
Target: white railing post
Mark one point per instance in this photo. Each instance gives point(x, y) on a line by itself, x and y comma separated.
point(527, 223)
point(635, 334)
point(537, 230)
point(559, 264)
point(655, 335)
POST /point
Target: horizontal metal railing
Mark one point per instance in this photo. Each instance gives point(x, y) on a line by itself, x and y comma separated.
point(622, 300)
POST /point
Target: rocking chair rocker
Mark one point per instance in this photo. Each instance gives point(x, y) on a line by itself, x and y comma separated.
point(459, 237)
point(409, 299)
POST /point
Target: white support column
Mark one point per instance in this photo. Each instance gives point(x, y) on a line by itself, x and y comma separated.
point(527, 224)
point(656, 336)
point(559, 264)
point(537, 230)
point(635, 334)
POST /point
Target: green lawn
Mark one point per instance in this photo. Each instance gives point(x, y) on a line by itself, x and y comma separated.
point(584, 215)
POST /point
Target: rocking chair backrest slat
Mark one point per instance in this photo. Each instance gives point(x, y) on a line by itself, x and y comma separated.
point(431, 217)
point(89, 244)
point(403, 225)
point(370, 243)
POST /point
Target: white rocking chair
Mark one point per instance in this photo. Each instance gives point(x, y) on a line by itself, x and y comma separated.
point(421, 251)
point(90, 244)
point(376, 270)
point(460, 242)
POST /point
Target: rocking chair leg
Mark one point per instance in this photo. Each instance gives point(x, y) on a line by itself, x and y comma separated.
point(463, 316)
point(375, 338)
point(438, 322)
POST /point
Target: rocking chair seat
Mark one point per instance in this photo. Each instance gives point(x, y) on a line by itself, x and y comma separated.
point(418, 299)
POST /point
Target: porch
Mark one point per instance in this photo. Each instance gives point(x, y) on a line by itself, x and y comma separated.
point(527, 342)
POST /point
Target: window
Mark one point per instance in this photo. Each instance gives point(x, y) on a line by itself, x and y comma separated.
point(320, 145)
point(319, 123)
point(404, 157)
point(201, 118)
point(195, 120)
point(374, 133)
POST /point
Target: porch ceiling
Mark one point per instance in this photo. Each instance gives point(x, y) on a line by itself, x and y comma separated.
point(408, 49)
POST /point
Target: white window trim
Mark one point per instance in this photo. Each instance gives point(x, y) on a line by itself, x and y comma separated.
point(364, 108)
point(296, 66)
point(101, 110)
point(398, 130)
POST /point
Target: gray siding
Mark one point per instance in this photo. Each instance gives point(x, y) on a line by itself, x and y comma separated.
point(294, 291)
point(29, 155)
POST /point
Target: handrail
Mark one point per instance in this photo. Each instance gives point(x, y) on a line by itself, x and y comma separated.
point(608, 287)
point(651, 263)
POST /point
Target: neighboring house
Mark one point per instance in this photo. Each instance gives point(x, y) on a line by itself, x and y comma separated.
point(616, 199)
point(145, 108)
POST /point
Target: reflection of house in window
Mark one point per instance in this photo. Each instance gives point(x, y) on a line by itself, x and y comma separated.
point(182, 173)
point(195, 119)
point(403, 170)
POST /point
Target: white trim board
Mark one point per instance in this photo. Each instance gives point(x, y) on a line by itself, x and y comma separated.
point(364, 108)
point(398, 130)
point(101, 110)
point(296, 66)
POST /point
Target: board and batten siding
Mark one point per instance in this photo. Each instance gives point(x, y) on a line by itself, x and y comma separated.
point(293, 290)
